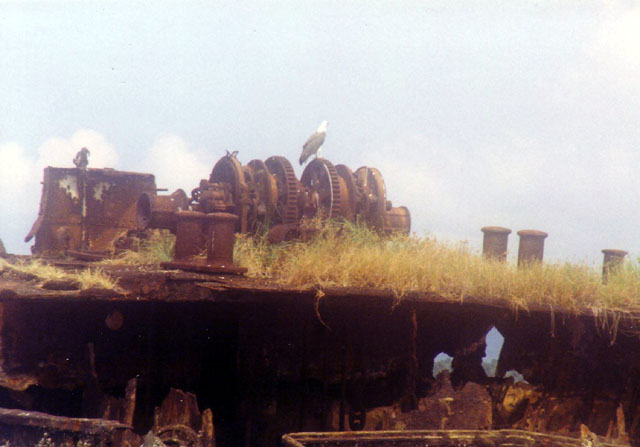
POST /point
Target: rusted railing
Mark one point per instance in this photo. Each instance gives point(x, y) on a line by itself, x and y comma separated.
point(433, 438)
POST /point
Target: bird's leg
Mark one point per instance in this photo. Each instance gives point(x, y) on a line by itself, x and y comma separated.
point(319, 152)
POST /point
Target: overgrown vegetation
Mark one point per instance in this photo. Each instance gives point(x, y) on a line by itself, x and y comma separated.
point(39, 270)
point(156, 248)
point(341, 254)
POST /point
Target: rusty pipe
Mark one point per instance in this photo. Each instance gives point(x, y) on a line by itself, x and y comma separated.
point(531, 248)
point(154, 211)
point(494, 244)
point(612, 260)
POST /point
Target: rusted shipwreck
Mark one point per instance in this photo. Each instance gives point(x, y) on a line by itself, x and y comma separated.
point(201, 356)
point(260, 358)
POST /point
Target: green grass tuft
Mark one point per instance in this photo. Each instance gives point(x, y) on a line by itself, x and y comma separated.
point(157, 248)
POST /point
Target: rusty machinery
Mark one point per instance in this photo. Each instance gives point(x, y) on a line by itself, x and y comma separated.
point(269, 194)
point(265, 194)
point(83, 210)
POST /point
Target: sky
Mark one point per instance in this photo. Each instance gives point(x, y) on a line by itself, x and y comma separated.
point(520, 114)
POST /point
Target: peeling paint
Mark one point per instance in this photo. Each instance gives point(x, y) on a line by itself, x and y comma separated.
point(100, 189)
point(69, 184)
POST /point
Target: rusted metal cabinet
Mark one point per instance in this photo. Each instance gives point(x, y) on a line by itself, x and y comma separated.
point(86, 208)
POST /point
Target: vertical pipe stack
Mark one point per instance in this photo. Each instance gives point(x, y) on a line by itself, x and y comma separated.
point(494, 244)
point(531, 246)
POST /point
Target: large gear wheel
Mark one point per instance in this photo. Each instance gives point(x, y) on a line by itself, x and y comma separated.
point(229, 170)
point(350, 198)
point(373, 195)
point(322, 180)
point(266, 189)
point(287, 186)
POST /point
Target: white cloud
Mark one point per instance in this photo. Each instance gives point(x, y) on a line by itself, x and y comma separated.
point(19, 187)
point(16, 168)
point(19, 192)
point(175, 164)
point(60, 152)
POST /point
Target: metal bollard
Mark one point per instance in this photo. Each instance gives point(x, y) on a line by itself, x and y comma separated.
point(494, 244)
point(531, 247)
point(221, 231)
point(190, 236)
point(197, 232)
point(612, 260)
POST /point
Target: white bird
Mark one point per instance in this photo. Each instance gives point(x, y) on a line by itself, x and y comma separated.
point(314, 143)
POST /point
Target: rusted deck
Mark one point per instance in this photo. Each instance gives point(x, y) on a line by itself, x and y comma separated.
point(142, 284)
point(269, 360)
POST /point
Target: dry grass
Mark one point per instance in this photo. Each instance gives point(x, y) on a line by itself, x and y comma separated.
point(94, 278)
point(346, 255)
point(86, 279)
